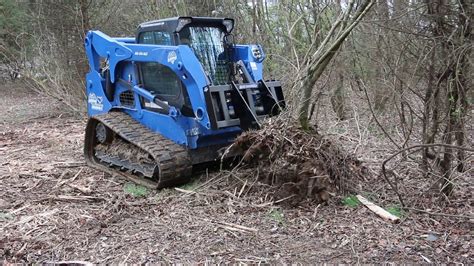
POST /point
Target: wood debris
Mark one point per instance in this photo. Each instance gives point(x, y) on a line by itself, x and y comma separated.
point(299, 164)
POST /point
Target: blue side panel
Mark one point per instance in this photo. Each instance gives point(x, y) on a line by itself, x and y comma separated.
point(254, 65)
point(99, 45)
point(97, 102)
point(164, 124)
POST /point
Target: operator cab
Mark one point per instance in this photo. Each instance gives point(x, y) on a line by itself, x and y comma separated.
point(206, 38)
point(175, 31)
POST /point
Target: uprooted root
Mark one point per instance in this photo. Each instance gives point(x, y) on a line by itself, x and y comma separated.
point(299, 164)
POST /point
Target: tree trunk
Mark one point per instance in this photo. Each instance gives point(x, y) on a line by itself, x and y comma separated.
point(330, 45)
point(337, 98)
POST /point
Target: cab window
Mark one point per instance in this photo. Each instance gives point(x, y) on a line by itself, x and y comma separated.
point(155, 37)
point(161, 80)
point(208, 46)
point(146, 38)
point(166, 85)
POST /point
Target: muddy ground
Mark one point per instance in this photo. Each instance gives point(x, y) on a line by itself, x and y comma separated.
point(54, 208)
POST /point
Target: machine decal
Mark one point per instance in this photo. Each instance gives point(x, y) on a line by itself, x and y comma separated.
point(192, 131)
point(253, 65)
point(139, 53)
point(152, 105)
point(95, 102)
point(172, 57)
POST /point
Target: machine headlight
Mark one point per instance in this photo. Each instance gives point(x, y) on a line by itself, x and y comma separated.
point(257, 52)
point(182, 22)
point(228, 24)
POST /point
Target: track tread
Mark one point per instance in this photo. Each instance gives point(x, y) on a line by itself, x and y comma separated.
point(173, 160)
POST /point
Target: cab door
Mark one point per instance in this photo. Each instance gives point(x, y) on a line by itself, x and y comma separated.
point(160, 79)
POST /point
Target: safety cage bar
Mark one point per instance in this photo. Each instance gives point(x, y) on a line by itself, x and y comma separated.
point(243, 105)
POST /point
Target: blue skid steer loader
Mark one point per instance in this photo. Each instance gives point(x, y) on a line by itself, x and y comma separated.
point(173, 96)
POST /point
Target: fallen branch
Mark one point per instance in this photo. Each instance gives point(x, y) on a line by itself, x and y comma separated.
point(378, 210)
point(70, 198)
point(233, 227)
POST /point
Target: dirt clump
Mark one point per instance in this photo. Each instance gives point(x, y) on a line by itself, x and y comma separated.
point(299, 164)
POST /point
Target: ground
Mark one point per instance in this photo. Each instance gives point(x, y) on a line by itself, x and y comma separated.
point(54, 208)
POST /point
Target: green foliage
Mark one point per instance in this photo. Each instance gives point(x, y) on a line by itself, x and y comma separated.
point(191, 186)
point(396, 210)
point(4, 216)
point(351, 201)
point(277, 216)
point(135, 190)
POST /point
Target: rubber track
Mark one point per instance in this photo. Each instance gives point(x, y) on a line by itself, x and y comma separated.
point(173, 160)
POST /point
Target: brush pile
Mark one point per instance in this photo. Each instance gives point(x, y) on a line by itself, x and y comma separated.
point(299, 164)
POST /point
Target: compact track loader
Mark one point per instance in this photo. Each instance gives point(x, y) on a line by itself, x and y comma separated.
point(173, 96)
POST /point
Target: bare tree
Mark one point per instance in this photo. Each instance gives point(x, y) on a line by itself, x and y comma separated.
point(319, 60)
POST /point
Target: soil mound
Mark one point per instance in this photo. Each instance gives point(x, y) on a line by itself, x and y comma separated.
point(299, 164)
